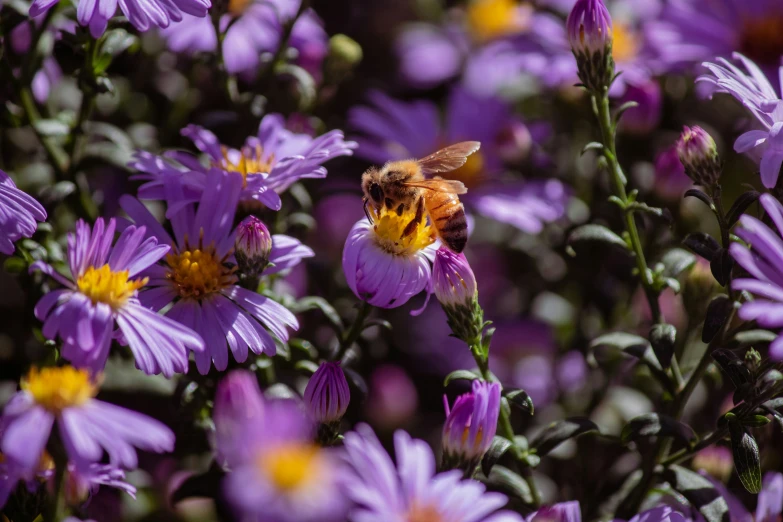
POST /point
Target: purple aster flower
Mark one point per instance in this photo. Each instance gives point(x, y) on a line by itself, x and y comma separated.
point(392, 130)
point(143, 14)
point(279, 474)
point(562, 512)
point(754, 91)
point(452, 279)
point(252, 248)
point(87, 427)
point(269, 163)
point(103, 294)
point(470, 425)
point(769, 505)
point(327, 394)
point(238, 403)
point(198, 279)
point(412, 490)
point(19, 214)
point(430, 55)
point(589, 28)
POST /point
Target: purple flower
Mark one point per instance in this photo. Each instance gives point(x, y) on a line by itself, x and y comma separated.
point(198, 279)
point(411, 490)
point(392, 398)
point(527, 206)
point(19, 214)
point(103, 296)
point(430, 55)
point(670, 178)
point(699, 156)
point(769, 505)
point(471, 424)
point(659, 514)
point(252, 247)
point(327, 394)
point(452, 279)
point(764, 262)
point(754, 91)
point(238, 403)
point(269, 163)
point(562, 512)
point(86, 427)
point(143, 14)
point(645, 117)
point(589, 28)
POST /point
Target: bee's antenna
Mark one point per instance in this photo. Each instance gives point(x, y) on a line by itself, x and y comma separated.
point(366, 211)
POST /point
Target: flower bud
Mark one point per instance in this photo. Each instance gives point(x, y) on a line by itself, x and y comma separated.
point(238, 402)
point(455, 287)
point(716, 461)
point(470, 426)
point(344, 55)
point(327, 394)
point(699, 155)
point(252, 247)
point(589, 29)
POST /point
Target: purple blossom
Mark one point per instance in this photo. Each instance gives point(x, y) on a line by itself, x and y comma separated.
point(252, 247)
point(327, 394)
point(471, 422)
point(412, 490)
point(197, 279)
point(645, 117)
point(562, 512)
point(452, 279)
point(143, 14)
point(19, 214)
point(754, 91)
point(769, 505)
point(102, 295)
point(670, 178)
point(238, 403)
point(87, 427)
point(589, 28)
point(764, 262)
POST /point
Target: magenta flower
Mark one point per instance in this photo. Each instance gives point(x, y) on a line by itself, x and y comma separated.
point(452, 279)
point(327, 394)
point(764, 262)
point(143, 14)
point(19, 214)
point(103, 295)
point(198, 279)
point(754, 91)
point(471, 424)
point(589, 28)
point(412, 490)
point(87, 427)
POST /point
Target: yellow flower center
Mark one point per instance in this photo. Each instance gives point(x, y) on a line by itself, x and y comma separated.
point(470, 173)
point(625, 44)
point(490, 19)
point(58, 388)
point(251, 160)
point(419, 513)
point(198, 272)
point(389, 228)
point(102, 285)
point(237, 7)
point(291, 466)
point(762, 39)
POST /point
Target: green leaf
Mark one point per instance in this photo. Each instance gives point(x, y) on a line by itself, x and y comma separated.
point(740, 206)
point(717, 313)
point(702, 244)
point(753, 337)
point(314, 302)
point(15, 265)
point(499, 446)
point(52, 127)
point(305, 346)
point(721, 265)
point(677, 261)
point(559, 432)
point(595, 233)
point(700, 493)
point(280, 391)
point(306, 366)
point(511, 483)
point(593, 145)
point(624, 107)
point(662, 339)
point(520, 399)
point(634, 346)
point(696, 193)
point(381, 323)
point(653, 424)
point(466, 375)
point(756, 421)
point(747, 460)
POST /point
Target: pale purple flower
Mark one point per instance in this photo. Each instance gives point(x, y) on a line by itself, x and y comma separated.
point(754, 91)
point(430, 55)
point(764, 262)
point(19, 214)
point(103, 295)
point(412, 490)
point(589, 28)
point(142, 14)
point(327, 394)
point(392, 398)
point(452, 279)
point(769, 505)
point(199, 281)
point(471, 422)
point(86, 427)
point(238, 403)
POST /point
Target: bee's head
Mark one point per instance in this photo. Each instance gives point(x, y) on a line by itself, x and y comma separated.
point(371, 186)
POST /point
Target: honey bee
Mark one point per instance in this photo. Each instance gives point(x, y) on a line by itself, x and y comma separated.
point(402, 186)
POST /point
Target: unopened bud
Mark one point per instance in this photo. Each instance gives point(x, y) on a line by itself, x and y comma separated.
point(455, 287)
point(470, 426)
point(327, 394)
point(344, 55)
point(589, 29)
point(699, 155)
point(752, 359)
point(252, 247)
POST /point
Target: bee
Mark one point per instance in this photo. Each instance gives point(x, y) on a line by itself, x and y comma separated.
point(401, 186)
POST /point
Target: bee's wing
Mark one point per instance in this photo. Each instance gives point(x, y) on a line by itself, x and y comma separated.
point(450, 158)
point(450, 186)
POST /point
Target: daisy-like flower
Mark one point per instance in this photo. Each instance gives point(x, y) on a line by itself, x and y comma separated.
point(269, 163)
point(764, 262)
point(103, 295)
point(470, 425)
point(411, 491)
point(87, 427)
point(143, 14)
point(19, 214)
point(280, 474)
point(754, 91)
point(199, 279)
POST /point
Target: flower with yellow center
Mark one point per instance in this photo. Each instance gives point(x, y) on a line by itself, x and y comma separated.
point(291, 466)
point(389, 228)
point(625, 42)
point(58, 388)
point(198, 272)
point(102, 285)
point(489, 19)
point(251, 161)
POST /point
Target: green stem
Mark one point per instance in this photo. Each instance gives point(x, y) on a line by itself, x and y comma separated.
point(56, 154)
point(55, 510)
point(229, 81)
point(352, 334)
point(284, 38)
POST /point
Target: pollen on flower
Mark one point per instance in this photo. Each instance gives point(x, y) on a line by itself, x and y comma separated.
point(424, 513)
point(198, 272)
point(389, 228)
point(291, 466)
point(58, 388)
point(250, 161)
point(490, 19)
point(237, 7)
point(625, 45)
point(102, 285)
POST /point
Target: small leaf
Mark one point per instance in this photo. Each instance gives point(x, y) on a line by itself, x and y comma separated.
point(756, 421)
point(696, 193)
point(753, 337)
point(305, 346)
point(520, 399)
point(499, 446)
point(560, 431)
point(593, 145)
point(733, 366)
point(306, 366)
point(700, 493)
point(467, 375)
point(511, 483)
point(655, 211)
point(280, 391)
point(653, 424)
point(676, 261)
point(382, 323)
point(52, 127)
point(635, 346)
point(314, 302)
point(662, 339)
point(15, 265)
point(56, 193)
point(721, 265)
point(702, 244)
point(717, 313)
point(746, 457)
point(595, 233)
point(741, 205)
point(624, 107)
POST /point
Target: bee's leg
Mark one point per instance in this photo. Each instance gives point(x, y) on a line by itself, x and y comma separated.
point(367, 211)
point(410, 227)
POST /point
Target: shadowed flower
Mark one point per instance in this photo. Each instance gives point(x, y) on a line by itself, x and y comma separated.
point(86, 427)
point(470, 425)
point(764, 262)
point(453, 279)
point(103, 296)
point(754, 91)
point(327, 394)
point(143, 14)
point(19, 214)
point(199, 280)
